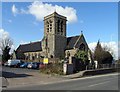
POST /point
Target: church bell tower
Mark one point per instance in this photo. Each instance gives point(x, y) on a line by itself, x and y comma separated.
point(54, 41)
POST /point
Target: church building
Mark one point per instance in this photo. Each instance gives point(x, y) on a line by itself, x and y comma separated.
point(55, 43)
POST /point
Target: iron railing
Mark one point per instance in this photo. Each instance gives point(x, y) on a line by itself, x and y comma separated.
point(102, 66)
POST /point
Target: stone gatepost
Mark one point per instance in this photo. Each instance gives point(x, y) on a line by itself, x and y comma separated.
point(68, 67)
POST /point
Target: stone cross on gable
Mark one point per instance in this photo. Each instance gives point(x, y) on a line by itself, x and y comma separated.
point(81, 32)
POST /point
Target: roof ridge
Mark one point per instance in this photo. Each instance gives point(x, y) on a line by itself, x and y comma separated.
point(72, 36)
point(78, 39)
point(30, 43)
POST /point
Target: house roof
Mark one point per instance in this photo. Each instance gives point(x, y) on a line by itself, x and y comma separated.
point(30, 47)
point(71, 41)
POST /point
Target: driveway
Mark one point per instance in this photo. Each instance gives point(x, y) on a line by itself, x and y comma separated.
point(20, 77)
point(18, 70)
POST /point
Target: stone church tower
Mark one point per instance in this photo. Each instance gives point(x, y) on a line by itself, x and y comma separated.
point(54, 40)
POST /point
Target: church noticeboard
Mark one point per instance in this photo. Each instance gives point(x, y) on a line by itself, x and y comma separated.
point(45, 60)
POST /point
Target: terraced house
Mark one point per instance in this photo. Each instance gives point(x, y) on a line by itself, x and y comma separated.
point(54, 44)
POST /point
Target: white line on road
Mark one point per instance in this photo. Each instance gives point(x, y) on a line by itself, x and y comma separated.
point(98, 84)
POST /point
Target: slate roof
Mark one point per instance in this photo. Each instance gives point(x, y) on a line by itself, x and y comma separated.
point(71, 42)
point(37, 46)
point(30, 47)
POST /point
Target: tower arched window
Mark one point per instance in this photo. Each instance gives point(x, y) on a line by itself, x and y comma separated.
point(58, 26)
point(47, 23)
point(61, 27)
point(50, 25)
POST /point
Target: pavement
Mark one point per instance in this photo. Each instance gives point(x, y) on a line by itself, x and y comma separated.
point(34, 79)
point(14, 77)
point(91, 73)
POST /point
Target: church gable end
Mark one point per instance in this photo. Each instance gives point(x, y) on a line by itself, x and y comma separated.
point(81, 43)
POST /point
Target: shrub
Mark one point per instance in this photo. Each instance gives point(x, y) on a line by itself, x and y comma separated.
point(53, 68)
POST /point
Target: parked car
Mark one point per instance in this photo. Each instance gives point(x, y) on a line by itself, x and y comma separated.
point(33, 65)
point(6, 64)
point(14, 63)
point(19, 64)
point(24, 65)
point(41, 65)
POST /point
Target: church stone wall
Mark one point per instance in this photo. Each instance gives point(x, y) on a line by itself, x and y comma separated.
point(71, 51)
point(60, 46)
point(33, 55)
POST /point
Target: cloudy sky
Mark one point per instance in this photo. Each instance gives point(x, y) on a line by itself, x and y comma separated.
point(23, 21)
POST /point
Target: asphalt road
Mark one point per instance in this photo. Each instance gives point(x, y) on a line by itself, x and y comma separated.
point(107, 82)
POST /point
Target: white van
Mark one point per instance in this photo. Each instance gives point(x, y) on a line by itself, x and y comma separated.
point(12, 62)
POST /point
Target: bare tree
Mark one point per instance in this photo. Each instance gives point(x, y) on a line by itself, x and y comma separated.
point(5, 46)
point(5, 42)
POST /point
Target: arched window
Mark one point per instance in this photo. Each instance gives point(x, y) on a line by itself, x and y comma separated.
point(68, 54)
point(82, 47)
point(50, 21)
point(51, 56)
point(50, 25)
point(35, 55)
point(47, 24)
point(61, 26)
point(58, 26)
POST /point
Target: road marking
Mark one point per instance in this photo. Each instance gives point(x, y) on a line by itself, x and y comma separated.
point(98, 84)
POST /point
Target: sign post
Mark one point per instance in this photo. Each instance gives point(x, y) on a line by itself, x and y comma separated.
point(45, 60)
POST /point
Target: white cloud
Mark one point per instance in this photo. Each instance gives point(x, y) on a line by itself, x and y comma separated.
point(40, 10)
point(23, 42)
point(3, 34)
point(22, 11)
point(14, 10)
point(113, 46)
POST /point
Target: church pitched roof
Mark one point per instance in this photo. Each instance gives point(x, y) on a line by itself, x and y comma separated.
point(75, 41)
point(30, 47)
point(37, 46)
point(71, 42)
